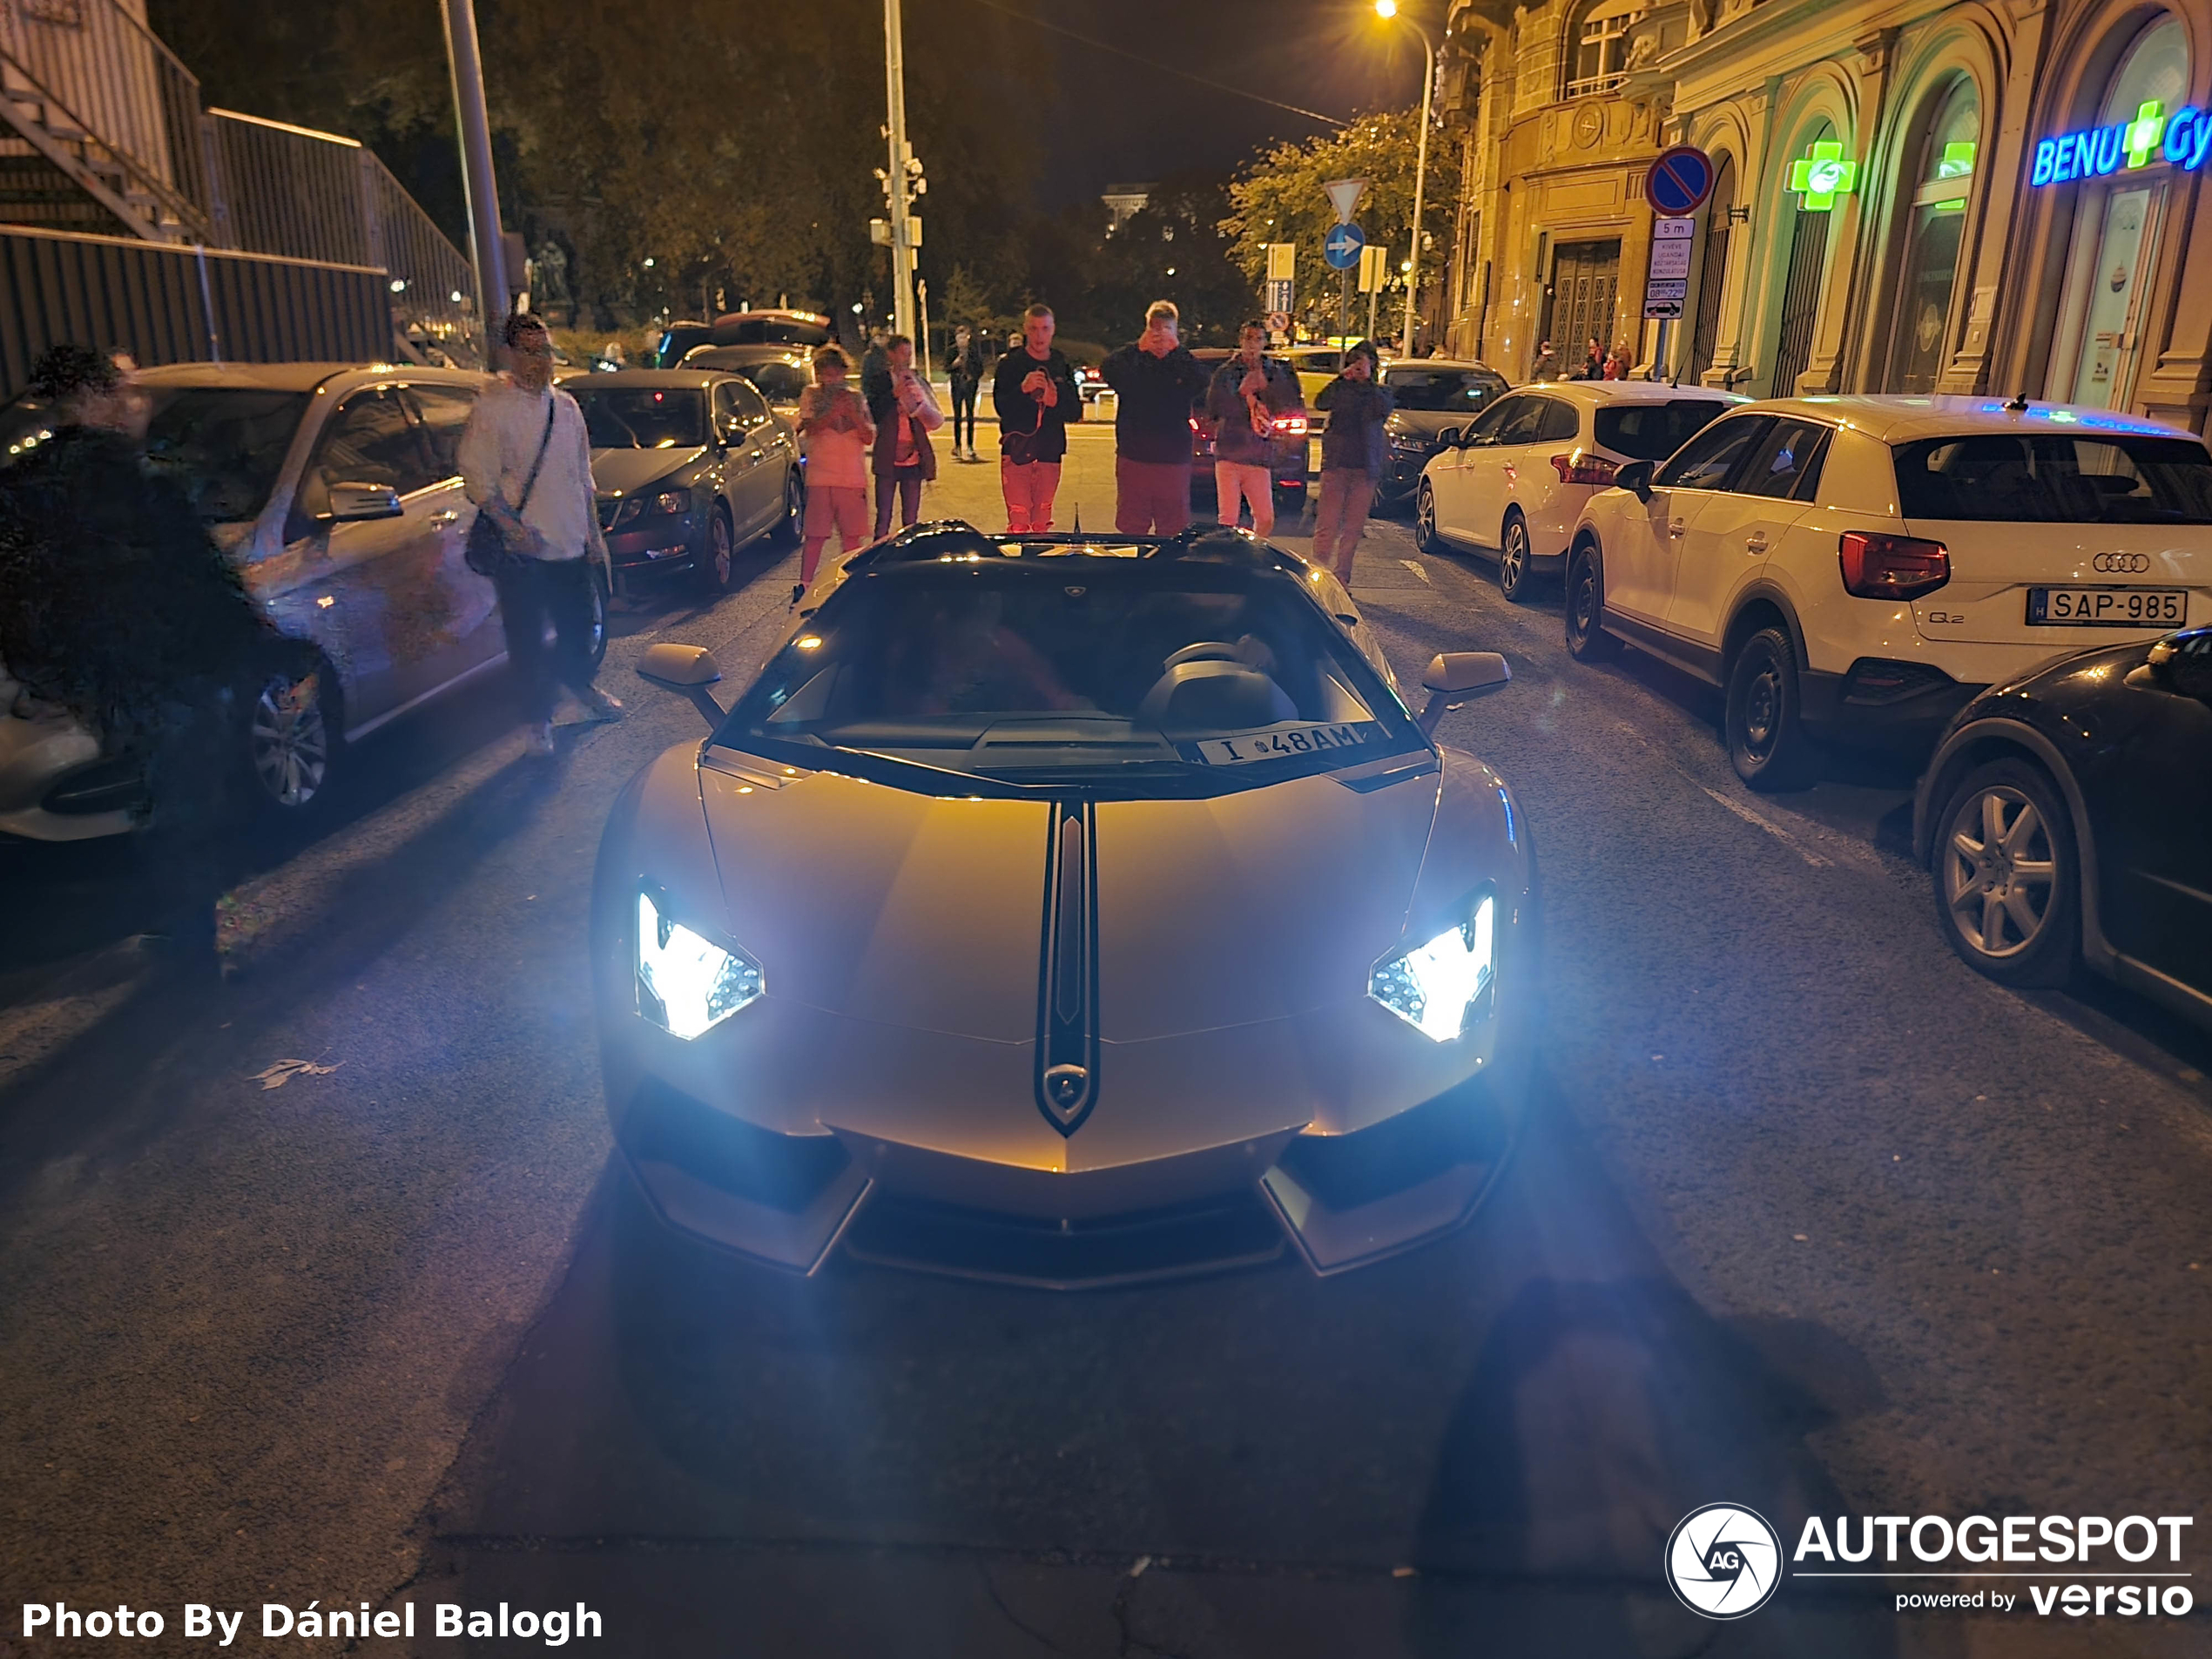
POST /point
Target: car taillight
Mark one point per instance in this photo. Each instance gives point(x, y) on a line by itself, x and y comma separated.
point(1579, 468)
point(1194, 425)
point(1289, 426)
point(1891, 567)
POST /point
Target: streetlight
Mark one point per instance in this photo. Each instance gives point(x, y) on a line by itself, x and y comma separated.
point(1388, 11)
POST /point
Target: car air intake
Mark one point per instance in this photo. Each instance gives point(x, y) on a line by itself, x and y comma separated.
point(1891, 567)
point(1579, 468)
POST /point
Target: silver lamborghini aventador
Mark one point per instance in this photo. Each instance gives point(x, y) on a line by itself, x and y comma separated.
point(1067, 912)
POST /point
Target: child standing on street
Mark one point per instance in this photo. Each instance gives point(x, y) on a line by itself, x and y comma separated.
point(1352, 452)
point(834, 425)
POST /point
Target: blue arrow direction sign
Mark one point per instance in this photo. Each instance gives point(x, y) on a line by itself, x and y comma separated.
point(1341, 247)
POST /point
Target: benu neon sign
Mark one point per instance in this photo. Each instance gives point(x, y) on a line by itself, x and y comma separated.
point(2183, 138)
point(1822, 175)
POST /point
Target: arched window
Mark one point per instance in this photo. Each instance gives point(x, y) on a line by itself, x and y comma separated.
point(1597, 46)
point(1935, 215)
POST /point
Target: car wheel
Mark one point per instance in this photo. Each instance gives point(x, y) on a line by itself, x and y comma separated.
point(1512, 559)
point(793, 521)
point(294, 741)
point(596, 639)
point(1766, 742)
point(2007, 876)
point(717, 559)
point(1424, 537)
point(1586, 640)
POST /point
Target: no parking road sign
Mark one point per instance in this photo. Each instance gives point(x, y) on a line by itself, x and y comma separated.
point(1679, 180)
point(1341, 247)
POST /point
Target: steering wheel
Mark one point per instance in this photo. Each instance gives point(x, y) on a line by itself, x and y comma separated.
point(1206, 650)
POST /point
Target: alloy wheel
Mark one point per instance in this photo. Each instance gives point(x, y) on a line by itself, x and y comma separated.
point(1425, 518)
point(720, 548)
point(1512, 558)
point(1762, 712)
point(289, 741)
point(2000, 872)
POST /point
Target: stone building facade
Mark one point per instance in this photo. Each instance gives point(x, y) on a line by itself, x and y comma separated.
point(1970, 196)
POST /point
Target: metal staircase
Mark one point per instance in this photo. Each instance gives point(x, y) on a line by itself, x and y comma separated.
point(100, 126)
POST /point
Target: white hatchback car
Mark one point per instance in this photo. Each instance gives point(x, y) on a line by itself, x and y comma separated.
point(1512, 484)
point(1855, 568)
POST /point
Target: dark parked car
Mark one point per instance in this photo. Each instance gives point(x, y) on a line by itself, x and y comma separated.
point(1287, 448)
point(780, 374)
point(2070, 811)
point(679, 340)
point(1432, 394)
point(690, 466)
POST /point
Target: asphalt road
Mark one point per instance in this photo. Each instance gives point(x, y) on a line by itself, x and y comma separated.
point(1811, 1219)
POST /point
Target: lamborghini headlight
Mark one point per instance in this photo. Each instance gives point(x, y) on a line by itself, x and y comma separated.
point(687, 984)
point(1435, 987)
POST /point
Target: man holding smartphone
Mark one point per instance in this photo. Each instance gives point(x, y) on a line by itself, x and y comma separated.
point(1034, 398)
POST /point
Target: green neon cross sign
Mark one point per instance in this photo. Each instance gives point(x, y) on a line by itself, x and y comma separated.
point(2144, 133)
point(1821, 175)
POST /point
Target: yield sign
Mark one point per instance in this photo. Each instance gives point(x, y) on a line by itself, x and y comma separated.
point(1343, 196)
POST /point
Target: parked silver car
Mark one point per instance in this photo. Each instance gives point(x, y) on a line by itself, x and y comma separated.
point(337, 490)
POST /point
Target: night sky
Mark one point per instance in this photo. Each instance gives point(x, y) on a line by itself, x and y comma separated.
point(1123, 121)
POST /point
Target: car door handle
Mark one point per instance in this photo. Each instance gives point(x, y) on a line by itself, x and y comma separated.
point(1755, 541)
point(1676, 527)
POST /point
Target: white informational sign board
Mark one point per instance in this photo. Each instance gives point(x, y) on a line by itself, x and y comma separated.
point(1666, 284)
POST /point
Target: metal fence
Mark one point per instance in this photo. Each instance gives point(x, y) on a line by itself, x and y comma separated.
point(101, 129)
point(308, 195)
point(170, 305)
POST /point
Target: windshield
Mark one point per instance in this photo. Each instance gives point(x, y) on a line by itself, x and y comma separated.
point(778, 382)
point(1654, 431)
point(1444, 390)
point(2035, 478)
point(1148, 677)
point(636, 417)
point(224, 445)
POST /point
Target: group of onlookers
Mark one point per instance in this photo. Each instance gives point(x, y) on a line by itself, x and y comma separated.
point(1596, 364)
point(1159, 387)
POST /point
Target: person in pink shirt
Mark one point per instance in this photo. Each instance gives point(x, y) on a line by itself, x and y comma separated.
point(834, 425)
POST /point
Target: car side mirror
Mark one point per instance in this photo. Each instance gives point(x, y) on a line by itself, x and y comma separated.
point(1636, 476)
point(2182, 663)
point(358, 503)
point(688, 669)
point(1454, 677)
point(1448, 439)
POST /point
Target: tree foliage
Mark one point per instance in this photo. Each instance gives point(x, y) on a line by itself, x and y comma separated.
point(1279, 197)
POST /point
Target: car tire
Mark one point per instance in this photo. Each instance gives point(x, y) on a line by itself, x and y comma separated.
point(294, 755)
point(1767, 742)
point(1424, 537)
point(1515, 576)
point(718, 553)
point(2015, 931)
point(1586, 640)
point(596, 650)
point(793, 523)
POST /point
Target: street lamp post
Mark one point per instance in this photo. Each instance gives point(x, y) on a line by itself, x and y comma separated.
point(1388, 10)
point(487, 250)
point(896, 182)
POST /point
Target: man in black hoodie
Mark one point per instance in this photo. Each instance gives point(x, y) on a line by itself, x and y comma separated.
point(115, 605)
point(1154, 383)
